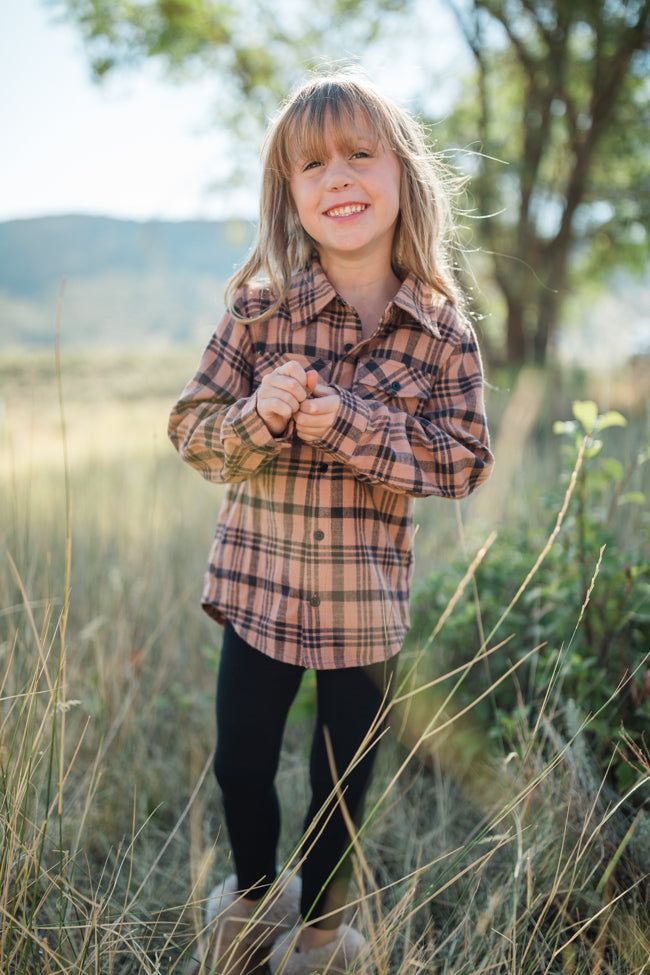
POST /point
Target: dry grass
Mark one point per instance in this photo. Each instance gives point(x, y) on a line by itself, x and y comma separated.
point(110, 831)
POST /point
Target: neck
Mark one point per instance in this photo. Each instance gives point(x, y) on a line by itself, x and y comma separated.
point(360, 283)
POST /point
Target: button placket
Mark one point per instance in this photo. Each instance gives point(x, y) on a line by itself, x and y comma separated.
point(313, 536)
point(318, 536)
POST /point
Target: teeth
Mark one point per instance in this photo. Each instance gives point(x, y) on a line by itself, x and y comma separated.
point(347, 210)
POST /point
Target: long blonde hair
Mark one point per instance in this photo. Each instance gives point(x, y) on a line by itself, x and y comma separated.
point(422, 243)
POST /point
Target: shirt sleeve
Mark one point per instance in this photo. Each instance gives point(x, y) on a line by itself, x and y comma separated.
point(215, 425)
point(445, 451)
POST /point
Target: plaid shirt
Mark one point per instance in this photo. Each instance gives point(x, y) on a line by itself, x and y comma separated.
point(312, 559)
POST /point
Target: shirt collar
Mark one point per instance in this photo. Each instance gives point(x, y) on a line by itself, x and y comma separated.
point(312, 291)
point(420, 301)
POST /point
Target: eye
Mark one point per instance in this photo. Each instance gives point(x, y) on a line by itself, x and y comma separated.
point(313, 164)
point(360, 154)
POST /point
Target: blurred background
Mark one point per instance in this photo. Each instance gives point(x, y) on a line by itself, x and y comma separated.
point(128, 194)
point(150, 116)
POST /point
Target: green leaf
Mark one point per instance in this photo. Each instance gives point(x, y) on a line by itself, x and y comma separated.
point(586, 413)
point(632, 497)
point(610, 419)
point(564, 426)
point(593, 448)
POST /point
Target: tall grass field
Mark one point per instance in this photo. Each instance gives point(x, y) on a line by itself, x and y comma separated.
point(508, 826)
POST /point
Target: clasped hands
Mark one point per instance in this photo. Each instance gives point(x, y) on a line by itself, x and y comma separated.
point(290, 391)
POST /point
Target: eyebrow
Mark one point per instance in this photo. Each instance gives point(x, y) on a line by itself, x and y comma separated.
point(312, 145)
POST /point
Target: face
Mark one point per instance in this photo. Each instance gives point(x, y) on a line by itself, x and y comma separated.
point(348, 200)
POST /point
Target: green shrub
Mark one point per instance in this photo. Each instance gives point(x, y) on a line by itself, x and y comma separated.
point(587, 609)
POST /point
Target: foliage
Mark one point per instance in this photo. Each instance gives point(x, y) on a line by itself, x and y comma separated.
point(586, 613)
point(255, 49)
point(558, 112)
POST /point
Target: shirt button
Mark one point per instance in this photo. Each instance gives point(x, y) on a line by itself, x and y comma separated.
point(319, 535)
point(323, 468)
point(315, 600)
point(348, 347)
point(395, 385)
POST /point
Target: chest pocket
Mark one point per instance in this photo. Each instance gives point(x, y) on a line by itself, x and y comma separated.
point(394, 383)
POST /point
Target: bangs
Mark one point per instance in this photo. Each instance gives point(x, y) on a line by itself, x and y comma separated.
point(329, 110)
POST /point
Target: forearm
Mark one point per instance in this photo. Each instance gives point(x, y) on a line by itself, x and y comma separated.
point(445, 454)
point(224, 443)
point(215, 425)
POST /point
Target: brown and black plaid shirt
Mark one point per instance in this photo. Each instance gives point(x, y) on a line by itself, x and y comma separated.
point(312, 559)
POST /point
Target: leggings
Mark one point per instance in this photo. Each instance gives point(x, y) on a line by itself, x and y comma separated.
point(254, 694)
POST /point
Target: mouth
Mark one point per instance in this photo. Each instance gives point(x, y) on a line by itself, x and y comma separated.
point(346, 211)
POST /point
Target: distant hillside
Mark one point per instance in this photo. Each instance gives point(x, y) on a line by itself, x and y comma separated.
point(126, 282)
point(131, 283)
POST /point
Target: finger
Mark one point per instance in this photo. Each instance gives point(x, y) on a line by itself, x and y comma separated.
point(311, 428)
point(274, 408)
point(320, 405)
point(294, 370)
point(307, 429)
point(321, 389)
point(286, 388)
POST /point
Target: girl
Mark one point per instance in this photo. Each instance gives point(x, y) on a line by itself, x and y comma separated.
point(342, 383)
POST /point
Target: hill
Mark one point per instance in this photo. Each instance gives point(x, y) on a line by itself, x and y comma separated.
point(130, 283)
point(126, 282)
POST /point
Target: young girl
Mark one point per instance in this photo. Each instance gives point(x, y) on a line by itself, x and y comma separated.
point(342, 383)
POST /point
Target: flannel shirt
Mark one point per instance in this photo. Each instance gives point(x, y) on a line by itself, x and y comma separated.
point(312, 558)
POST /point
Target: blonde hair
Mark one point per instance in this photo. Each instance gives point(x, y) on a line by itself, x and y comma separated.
point(422, 243)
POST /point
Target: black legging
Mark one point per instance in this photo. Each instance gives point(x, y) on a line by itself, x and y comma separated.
point(254, 694)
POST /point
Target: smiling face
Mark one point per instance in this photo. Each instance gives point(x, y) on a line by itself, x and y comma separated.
point(345, 186)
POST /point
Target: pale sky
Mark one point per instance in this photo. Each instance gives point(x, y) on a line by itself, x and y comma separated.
point(134, 147)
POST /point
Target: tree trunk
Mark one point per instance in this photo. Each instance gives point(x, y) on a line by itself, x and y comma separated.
point(516, 346)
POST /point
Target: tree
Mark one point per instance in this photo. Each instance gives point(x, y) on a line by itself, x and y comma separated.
point(557, 111)
point(255, 48)
point(562, 120)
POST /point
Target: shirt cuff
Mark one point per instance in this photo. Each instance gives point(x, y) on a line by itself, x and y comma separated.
point(245, 423)
point(349, 426)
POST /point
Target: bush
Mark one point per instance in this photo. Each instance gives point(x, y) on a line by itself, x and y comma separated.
point(585, 613)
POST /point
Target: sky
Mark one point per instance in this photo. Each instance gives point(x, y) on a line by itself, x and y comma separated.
point(135, 147)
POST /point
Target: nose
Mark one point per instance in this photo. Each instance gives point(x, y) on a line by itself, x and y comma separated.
point(339, 174)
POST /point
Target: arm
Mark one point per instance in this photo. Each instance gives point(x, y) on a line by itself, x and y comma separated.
point(443, 452)
point(215, 425)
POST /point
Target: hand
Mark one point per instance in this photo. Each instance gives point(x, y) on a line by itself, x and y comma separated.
point(281, 394)
point(317, 414)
